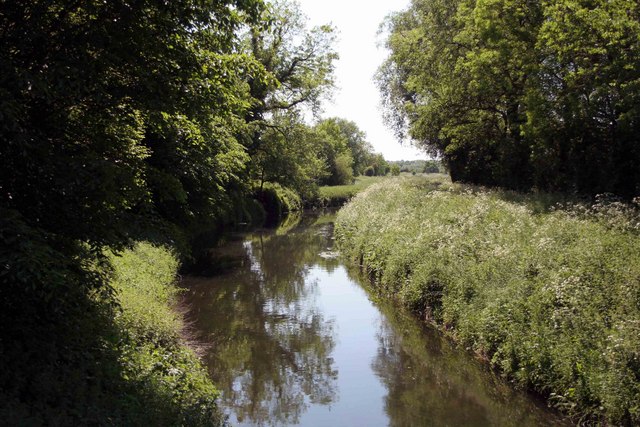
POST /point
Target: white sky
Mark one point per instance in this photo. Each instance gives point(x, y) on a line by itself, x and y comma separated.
point(357, 97)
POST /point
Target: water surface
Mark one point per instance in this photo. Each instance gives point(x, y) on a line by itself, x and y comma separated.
point(296, 339)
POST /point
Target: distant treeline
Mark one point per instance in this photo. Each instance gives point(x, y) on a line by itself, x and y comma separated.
point(520, 94)
point(417, 166)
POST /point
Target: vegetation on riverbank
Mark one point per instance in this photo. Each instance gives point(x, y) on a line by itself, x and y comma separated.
point(155, 355)
point(548, 295)
point(106, 364)
point(130, 121)
point(520, 94)
point(338, 195)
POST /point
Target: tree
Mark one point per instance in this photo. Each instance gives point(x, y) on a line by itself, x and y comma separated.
point(519, 93)
point(357, 144)
point(466, 89)
point(395, 170)
point(344, 168)
point(431, 166)
point(300, 62)
point(335, 153)
point(379, 164)
point(116, 116)
point(584, 115)
point(290, 155)
point(299, 65)
point(112, 110)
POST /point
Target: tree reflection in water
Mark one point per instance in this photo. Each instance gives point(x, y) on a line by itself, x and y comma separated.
point(425, 375)
point(270, 346)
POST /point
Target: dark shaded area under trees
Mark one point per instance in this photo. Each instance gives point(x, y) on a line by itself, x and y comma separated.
point(116, 118)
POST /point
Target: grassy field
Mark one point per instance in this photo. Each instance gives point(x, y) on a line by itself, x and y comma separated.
point(548, 295)
point(338, 195)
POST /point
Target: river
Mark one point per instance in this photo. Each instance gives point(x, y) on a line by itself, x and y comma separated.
point(295, 337)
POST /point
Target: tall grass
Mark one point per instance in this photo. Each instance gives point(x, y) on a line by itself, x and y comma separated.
point(550, 297)
point(112, 356)
point(172, 387)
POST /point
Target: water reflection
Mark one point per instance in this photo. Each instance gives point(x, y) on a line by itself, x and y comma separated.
point(271, 346)
point(426, 375)
point(295, 339)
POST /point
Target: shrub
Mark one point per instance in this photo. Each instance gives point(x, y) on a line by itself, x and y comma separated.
point(344, 169)
point(171, 386)
point(278, 201)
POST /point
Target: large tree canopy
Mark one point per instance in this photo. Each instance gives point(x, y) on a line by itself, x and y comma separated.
point(345, 151)
point(299, 60)
point(520, 93)
point(114, 116)
point(289, 155)
point(113, 110)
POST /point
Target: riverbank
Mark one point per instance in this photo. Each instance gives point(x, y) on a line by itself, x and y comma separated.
point(156, 355)
point(291, 323)
point(117, 355)
point(548, 296)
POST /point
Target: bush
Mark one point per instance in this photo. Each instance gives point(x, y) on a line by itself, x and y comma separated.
point(344, 169)
point(551, 297)
point(278, 201)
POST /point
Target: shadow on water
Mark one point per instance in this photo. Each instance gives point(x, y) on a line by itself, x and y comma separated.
point(295, 339)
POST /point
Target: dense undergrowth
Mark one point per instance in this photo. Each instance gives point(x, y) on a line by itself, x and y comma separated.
point(154, 354)
point(114, 357)
point(277, 201)
point(549, 294)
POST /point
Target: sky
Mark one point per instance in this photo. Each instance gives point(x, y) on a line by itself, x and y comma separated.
point(357, 97)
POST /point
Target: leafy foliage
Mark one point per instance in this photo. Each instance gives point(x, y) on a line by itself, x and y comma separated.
point(335, 151)
point(520, 94)
point(289, 155)
point(72, 358)
point(174, 387)
point(299, 65)
point(113, 110)
point(299, 61)
point(124, 119)
point(116, 117)
point(278, 201)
